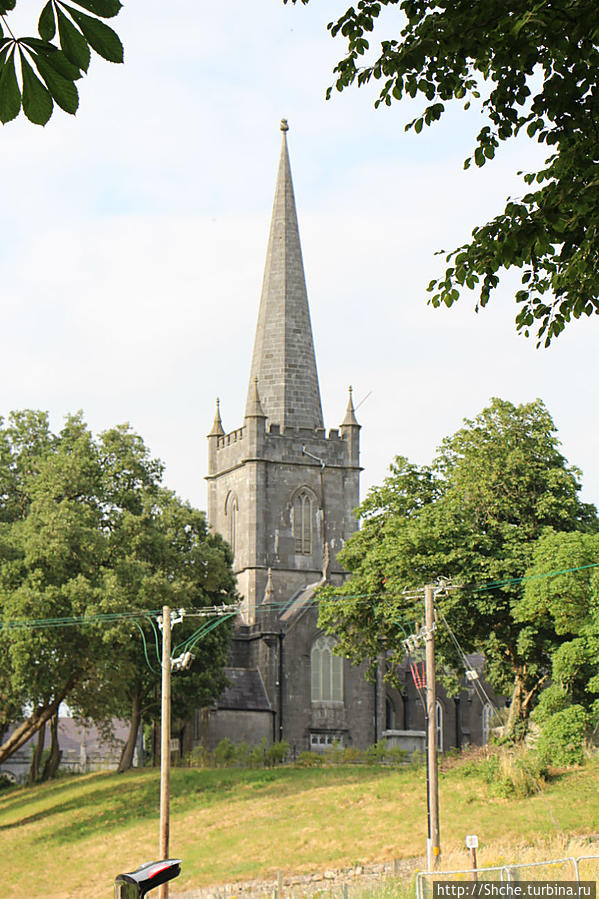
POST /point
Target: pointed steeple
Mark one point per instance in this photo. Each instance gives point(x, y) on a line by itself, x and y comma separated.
point(217, 425)
point(350, 413)
point(254, 406)
point(283, 359)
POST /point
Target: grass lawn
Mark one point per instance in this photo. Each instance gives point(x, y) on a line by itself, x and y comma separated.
point(71, 837)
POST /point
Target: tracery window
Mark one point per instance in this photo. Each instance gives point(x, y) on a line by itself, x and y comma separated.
point(303, 523)
point(326, 671)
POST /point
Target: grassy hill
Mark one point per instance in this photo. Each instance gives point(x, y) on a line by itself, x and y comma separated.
point(71, 837)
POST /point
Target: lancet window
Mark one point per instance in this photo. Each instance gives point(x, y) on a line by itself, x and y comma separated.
point(326, 671)
point(303, 523)
point(232, 513)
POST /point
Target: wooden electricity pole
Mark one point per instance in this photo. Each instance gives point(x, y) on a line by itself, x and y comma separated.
point(434, 847)
point(165, 742)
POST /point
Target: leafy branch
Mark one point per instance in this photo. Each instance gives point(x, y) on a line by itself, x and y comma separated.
point(61, 55)
point(533, 67)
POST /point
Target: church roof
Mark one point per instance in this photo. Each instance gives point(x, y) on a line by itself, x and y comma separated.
point(245, 691)
point(284, 361)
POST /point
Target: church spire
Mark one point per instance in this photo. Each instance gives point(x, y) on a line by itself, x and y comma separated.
point(283, 359)
point(217, 429)
point(350, 419)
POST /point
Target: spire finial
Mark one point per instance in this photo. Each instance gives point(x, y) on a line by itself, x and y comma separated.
point(254, 408)
point(350, 413)
point(284, 125)
point(217, 426)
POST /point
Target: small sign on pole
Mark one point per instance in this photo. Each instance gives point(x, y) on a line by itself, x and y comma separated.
point(472, 845)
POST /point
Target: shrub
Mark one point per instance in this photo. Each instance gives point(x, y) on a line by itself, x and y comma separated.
point(553, 699)
point(225, 753)
point(562, 737)
point(353, 756)
point(510, 772)
point(376, 753)
point(277, 753)
point(309, 760)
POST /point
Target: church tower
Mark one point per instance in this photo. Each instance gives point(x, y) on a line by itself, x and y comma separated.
point(280, 489)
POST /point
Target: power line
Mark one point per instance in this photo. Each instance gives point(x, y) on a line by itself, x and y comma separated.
point(232, 609)
point(131, 615)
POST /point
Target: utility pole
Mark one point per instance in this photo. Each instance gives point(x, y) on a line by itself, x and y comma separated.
point(165, 742)
point(434, 847)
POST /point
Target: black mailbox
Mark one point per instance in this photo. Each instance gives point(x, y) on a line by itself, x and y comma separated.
point(146, 878)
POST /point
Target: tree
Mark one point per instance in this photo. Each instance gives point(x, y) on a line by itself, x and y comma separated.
point(560, 594)
point(88, 535)
point(535, 67)
point(61, 54)
point(474, 515)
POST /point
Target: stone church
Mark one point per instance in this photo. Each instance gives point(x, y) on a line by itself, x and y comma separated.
point(281, 491)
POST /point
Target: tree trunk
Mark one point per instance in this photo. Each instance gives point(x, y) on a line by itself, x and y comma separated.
point(28, 728)
point(522, 702)
point(53, 761)
point(126, 760)
point(36, 758)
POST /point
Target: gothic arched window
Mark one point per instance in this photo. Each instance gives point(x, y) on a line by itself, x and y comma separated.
point(303, 522)
point(487, 717)
point(232, 513)
point(326, 671)
point(389, 715)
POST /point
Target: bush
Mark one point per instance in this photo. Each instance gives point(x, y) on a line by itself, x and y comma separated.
point(309, 760)
point(510, 773)
point(239, 755)
point(553, 699)
point(277, 753)
point(224, 754)
point(353, 756)
point(562, 737)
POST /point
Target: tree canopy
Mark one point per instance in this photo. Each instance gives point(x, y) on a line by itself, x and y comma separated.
point(91, 545)
point(474, 515)
point(61, 54)
point(562, 594)
point(529, 68)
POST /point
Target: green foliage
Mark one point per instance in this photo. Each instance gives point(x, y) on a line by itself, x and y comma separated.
point(228, 754)
point(87, 530)
point(553, 699)
point(240, 755)
point(512, 773)
point(381, 753)
point(562, 737)
point(529, 69)
point(474, 516)
point(568, 604)
point(61, 56)
point(310, 760)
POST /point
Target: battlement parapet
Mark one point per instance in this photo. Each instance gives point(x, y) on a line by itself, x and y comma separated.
point(285, 444)
point(231, 437)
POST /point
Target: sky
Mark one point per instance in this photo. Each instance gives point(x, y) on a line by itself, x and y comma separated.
point(133, 239)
